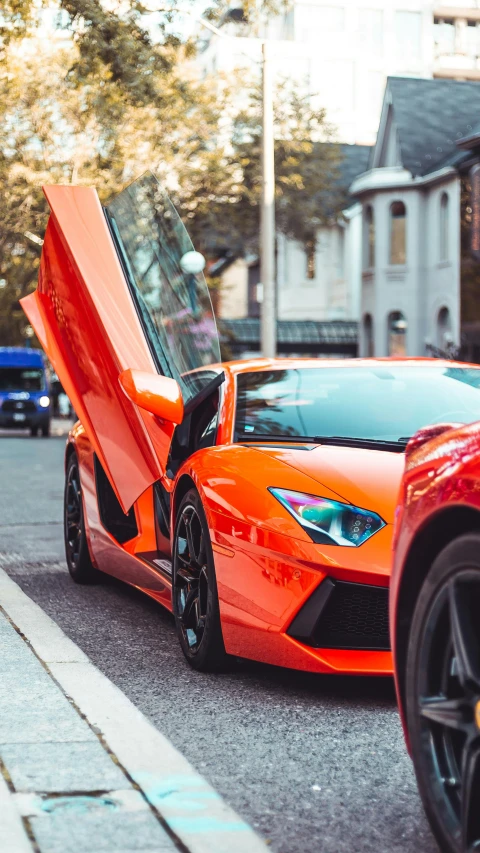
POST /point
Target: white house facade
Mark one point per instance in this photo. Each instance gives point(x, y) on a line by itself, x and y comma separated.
point(327, 285)
point(410, 297)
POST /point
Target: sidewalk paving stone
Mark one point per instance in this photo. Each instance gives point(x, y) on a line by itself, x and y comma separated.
point(111, 831)
point(82, 770)
point(61, 767)
point(47, 748)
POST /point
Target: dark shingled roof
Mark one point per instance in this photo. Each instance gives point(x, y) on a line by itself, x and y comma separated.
point(431, 115)
point(355, 160)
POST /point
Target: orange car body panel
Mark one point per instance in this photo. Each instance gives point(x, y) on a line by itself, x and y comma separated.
point(86, 321)
point(266, 565)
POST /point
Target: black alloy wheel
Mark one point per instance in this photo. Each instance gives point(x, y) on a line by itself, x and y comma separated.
point(195, 597)
point(443, 695)
point(76, 546)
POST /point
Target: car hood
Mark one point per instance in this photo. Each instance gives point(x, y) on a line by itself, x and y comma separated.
point(369, 479)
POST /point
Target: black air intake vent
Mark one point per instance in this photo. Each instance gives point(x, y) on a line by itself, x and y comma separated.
point(340, 615)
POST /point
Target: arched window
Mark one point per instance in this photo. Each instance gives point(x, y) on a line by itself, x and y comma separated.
point(444, 227)
point(444, 328)
point(368, 345)
point(398, 233)
point(397, 334)
point(368, 239)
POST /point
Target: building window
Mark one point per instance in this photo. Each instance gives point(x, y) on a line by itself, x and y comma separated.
point(330, 18)
point(444, 36)
point(444, 329)
point(311, 260)
point(397, 334)
point(368, 335)
point(398, 233)
point(370, 26)
point(408, 37)
point(444, 227)
point(369, 239)
point(312, 21)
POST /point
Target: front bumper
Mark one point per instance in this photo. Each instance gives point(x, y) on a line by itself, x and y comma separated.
point(276, 581)
point(29, 420)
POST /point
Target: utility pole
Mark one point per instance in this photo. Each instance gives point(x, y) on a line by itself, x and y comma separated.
point(268, 319)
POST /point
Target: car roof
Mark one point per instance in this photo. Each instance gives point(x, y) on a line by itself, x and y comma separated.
point(254, 365)
point(21, 357)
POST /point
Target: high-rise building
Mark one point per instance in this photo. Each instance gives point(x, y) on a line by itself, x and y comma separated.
point(339, 51)
point(342, 51)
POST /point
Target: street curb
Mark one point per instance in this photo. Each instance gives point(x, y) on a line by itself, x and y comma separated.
point(194, 813)
point(13, 837)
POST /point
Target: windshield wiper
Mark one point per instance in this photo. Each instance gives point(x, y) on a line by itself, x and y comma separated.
point(335, 440)
point(296, 439)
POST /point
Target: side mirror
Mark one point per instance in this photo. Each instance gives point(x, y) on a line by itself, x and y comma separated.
point(157, 394)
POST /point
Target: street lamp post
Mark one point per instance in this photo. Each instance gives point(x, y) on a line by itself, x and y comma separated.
point(267, 213)
point(268, 320)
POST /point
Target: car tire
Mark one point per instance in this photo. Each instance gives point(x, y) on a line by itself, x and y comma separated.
point(77, 554)
point(194, 593)
point(443, 694)
point(45, 429)
point(34, 431)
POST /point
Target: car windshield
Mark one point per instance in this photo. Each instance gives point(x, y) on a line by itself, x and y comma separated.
point(21, 379)
point(167, 285)
point(377, 403)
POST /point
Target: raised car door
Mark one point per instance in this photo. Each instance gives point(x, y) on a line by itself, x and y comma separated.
point(121, 287)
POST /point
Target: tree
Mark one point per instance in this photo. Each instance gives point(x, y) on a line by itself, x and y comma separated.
point(469, 265)
point(108, 102)
point(221, 196)
point(66, 120)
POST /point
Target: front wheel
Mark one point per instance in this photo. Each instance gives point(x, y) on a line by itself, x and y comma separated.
point(195, 597)
point(79, 563)
point(443, 695)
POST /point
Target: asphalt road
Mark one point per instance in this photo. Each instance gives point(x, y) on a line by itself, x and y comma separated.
point(314, 763)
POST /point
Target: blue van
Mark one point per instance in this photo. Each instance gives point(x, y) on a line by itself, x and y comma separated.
point(24, 390)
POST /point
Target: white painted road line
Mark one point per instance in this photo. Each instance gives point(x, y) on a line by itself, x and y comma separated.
point(190, 807)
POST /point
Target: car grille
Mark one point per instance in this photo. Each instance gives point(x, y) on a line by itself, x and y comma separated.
point(348, 616)
point(19, 406)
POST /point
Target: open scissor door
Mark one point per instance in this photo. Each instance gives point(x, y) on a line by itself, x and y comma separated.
point(113, 295)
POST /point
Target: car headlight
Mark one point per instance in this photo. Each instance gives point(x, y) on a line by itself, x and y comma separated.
point(44, 401)
point(330, 522)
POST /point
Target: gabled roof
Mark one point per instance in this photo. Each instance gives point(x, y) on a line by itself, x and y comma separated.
point(430, 117)
point(355, 160)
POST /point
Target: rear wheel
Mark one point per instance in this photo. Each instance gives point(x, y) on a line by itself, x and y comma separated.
point(195, 597)
point(76, 546)
point(443, 695)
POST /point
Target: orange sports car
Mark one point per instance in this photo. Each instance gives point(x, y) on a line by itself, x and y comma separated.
point(253, 499)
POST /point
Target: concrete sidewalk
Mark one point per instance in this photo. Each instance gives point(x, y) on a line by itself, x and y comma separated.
point(81, 769)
